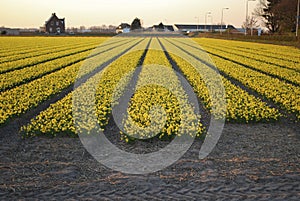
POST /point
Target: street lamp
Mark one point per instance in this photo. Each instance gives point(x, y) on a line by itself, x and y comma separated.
point(198, 23)
point(211, 27)
point(206, 19)
point(222, 19)
point(298, 16)
point(247, 2)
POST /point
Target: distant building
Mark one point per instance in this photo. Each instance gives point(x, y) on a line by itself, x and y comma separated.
point(55, 25)
point(123, 28)
point(162, 27)
point(9, 31)
point(202, 28)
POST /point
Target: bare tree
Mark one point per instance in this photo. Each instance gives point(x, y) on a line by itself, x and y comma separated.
point(111, 27)
point(250, 23)
point(103, 27)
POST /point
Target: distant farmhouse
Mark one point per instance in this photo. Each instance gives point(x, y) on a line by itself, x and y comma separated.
point(55, 25)
point(123, 28)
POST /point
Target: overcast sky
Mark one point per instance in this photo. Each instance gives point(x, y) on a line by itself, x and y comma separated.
point(34, 13)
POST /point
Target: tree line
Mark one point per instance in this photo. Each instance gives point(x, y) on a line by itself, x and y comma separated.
point(277, 15)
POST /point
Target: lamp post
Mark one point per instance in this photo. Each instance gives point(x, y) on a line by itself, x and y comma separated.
point(198, 23)
point(247, 2)
point(222, 19)
point(298, 16)
point(206, 19)
point(211, 26)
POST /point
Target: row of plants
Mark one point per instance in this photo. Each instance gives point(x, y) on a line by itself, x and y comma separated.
point(39, 52)
point(10, 46)
point(279, 92)
point(58, 119)
point(287, 73)
point(160, 106)
point(287, 61)
point(20, 99)
point(21, 76)
point(283, 94)
point(240, 106)
point(286, 53)
point(23, 63)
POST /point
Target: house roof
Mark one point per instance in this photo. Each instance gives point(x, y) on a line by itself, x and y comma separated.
point(54, 16)
point(123, 26)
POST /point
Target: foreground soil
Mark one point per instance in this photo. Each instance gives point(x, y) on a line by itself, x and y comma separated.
point(250, 162)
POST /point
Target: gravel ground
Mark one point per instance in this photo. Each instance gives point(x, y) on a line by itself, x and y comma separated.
point(250, 162)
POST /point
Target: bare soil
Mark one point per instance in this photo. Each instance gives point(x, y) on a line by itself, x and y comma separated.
point(250, 162)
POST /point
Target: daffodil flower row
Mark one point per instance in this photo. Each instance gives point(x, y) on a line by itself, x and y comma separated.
point(241, 106)
point(283, 94)
point(20, 99)
point(23, 63)
point(254, 62)
point(281, 52)
point(32, 52)
point(58, 119)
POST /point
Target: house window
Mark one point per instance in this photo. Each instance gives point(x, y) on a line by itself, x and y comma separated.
point(57, 23)
point(50, 29)
point(52, 23)
point(62, 22)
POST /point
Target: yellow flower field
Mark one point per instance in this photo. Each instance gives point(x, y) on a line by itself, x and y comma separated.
point(261, 82)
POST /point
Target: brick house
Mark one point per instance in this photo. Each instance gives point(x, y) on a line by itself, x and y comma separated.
point(55, 25)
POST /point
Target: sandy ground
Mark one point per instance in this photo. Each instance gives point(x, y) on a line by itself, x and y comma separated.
point(254, 162)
